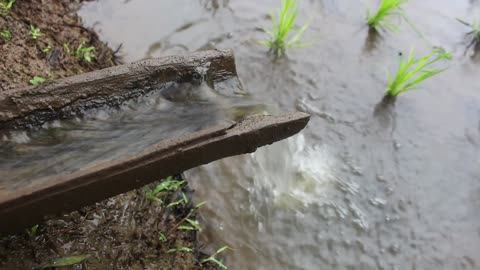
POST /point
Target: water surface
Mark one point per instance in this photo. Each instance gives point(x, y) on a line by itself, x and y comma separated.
point(399, 189)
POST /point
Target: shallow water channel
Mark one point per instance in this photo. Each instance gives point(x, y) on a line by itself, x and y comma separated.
point(396, 189)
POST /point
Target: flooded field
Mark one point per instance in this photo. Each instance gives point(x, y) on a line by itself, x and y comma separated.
point(396, 189)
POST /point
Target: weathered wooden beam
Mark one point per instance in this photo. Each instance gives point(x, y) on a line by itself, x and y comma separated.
point(66, 97)
point(28, 205)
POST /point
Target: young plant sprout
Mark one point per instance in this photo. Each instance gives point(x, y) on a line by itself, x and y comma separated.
point(6, 6)
point(214, 259)
point(37, 80)
point(414, 71)
point(5, 34)
point(283, 24)
point(474, 35)
point(85, 53)
point(380, 19)
point(35, 32)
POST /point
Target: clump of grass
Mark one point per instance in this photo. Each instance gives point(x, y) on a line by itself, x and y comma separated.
point(6, 6)
point(283, 24)
point(37, 80)
point(169, 184)
point(81, 53)
point(474, 35)
point(85, 53)
point(214, 259)
point(6, 34)
point(35, 32)
point(380, 19)
point(412, 71)
point(180, 247)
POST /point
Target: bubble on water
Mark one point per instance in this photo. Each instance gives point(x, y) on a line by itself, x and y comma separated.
point(378, 202)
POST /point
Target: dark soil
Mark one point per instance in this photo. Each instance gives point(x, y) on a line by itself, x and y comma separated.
point(119, 233)
point(22, 57)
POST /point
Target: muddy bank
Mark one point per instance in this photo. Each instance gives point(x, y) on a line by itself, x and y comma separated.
point(51, 53)
point(129, 231)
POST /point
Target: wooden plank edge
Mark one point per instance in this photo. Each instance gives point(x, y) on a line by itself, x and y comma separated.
point(27, 207)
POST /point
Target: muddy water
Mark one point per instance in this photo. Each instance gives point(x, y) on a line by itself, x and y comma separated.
point(396, 189)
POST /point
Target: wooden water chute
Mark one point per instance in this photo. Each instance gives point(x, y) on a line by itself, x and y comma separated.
point(20, 108)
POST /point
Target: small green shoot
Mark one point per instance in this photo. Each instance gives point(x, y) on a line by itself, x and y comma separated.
point(180, 247)
point(6, 35)
point(191, 226)
point(414, 71)
point(6, 6)
point(32, 232)
point(37, 80)
point(186, 218)
point(35, 32)
point(183, 200)
point(66, 261)
point(162, 237)
point(47, 49)
point(214, 259)
point(282, 25)
point(474, 34)
point(66, 48)
point(380, 18)
point(169, 184)
point(85, 53)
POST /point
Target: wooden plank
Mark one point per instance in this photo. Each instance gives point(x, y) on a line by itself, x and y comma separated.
point(63, 98)
point(28, 205)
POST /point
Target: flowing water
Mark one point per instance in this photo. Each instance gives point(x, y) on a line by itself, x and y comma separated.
point(104, 134)
point(392, 188)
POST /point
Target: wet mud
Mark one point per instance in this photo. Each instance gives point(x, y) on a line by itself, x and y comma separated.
point(23, 57)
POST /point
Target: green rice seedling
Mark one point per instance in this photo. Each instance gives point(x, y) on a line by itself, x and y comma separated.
point(413, 71)
point(32, 232)
point(6, 6)
point(183, 200)
point(162, 237)
point(214, 259)
point(169, 184)
point(35, 32)
point(6, 34)
point(473, 35)
point(37, 80)
point(47, 49)
point(190, 225)
point(380, 19)
point(85, 53)
point(66, 48)
point(283, 24)
point(180, 247)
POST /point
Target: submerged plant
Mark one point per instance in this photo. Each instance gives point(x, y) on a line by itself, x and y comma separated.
point(214, 259)
point(381, 17)
point(6, 34)
point(474, 34)
point(413, 71)
point(283, 24)
point(35, 32)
